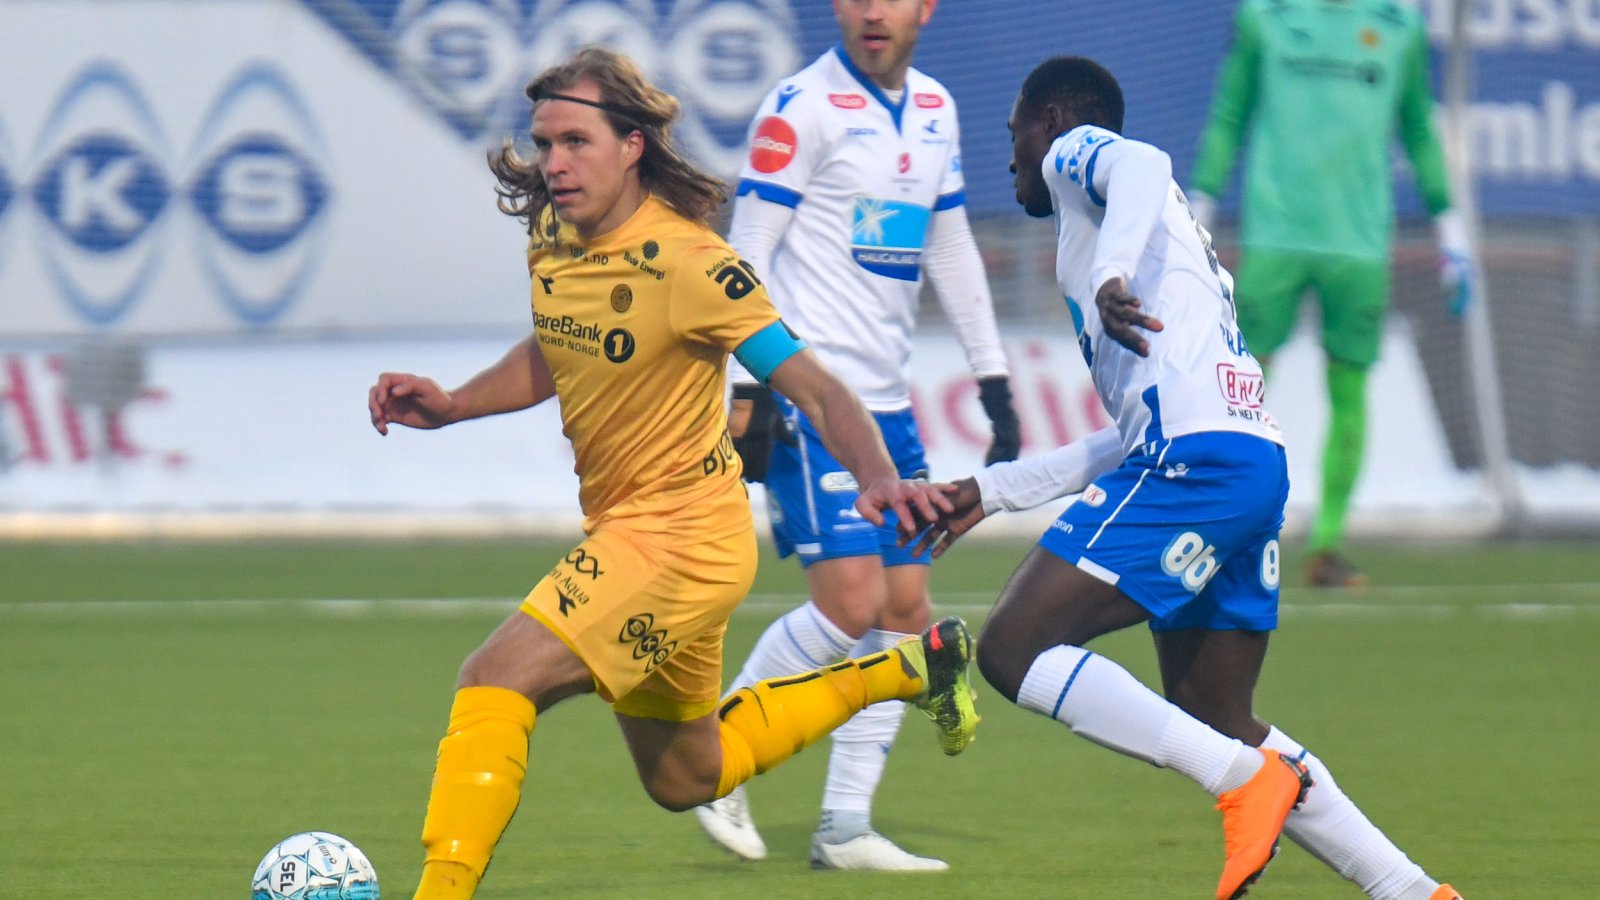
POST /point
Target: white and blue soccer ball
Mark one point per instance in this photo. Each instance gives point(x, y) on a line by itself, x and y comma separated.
point(314, 865)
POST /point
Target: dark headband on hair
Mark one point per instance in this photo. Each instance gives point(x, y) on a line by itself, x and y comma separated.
point(597, 104)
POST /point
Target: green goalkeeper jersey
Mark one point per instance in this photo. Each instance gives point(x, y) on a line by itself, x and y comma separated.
point(1322, 87)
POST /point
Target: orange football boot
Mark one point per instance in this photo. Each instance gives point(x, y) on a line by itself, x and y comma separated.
point(1445, 892)
point(1252, 820)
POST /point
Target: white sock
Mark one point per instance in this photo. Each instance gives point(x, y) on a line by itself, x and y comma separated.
point(861, 750)
point(1099, 700)
point(799, 641)
point(1331, 828)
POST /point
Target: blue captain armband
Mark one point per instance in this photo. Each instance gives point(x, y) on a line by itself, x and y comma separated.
point(765, 350)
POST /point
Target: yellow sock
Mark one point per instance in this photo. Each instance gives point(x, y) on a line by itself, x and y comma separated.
point(888, 677)
point(477, 782)
point(772, 720)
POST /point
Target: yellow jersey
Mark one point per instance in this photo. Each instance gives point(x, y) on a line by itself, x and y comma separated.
point(636, 326)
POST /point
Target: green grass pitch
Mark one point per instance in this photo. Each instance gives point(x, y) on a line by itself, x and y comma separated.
point(170, 710)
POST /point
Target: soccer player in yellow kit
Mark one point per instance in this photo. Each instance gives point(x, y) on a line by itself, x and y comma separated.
point(636, 305)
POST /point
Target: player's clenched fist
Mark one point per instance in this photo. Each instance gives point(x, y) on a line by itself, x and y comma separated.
point(409, 400)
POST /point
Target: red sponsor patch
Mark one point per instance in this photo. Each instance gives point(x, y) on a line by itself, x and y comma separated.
point(1246, 389)
point(905, 163)
point(773, 145)
point(927, 101)
point(848, 101)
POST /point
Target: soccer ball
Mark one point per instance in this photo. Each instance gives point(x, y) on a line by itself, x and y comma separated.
point(314, 865)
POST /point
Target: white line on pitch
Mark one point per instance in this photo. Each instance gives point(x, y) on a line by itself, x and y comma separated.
point(1499, 601)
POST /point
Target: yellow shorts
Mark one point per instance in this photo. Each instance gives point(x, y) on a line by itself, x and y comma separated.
point(648, 615)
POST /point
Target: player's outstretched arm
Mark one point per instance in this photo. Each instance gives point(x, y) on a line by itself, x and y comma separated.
point(851, 435)
point(966, 500)
point(520, 379)
point(1022, 484)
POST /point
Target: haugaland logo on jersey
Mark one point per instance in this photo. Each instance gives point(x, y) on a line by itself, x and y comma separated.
point(927, 101)
point(773, 145)
point(848, 101)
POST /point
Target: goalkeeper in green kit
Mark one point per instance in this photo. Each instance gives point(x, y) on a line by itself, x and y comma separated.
point(1320, 89)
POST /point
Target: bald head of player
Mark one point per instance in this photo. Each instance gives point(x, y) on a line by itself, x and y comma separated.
point(1060, 94)
point(880, 35)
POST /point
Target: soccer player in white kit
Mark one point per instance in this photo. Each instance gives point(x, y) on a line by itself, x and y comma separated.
point(851, 193)
point(1182, 500)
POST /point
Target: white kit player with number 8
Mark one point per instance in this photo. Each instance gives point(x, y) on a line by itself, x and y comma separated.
point(1182, 500)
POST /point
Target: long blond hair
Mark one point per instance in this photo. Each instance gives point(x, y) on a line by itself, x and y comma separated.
point(630, 103)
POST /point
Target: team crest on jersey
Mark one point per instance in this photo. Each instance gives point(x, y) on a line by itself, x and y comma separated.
point(886, 237)
point(773, 146)
point(621, 298)
point(927, 101)
point(1094, 495)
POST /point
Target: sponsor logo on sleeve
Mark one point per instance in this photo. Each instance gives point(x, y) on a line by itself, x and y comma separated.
point(737, 277)
point(927, 101)
point(848, 101)
point(773, 145)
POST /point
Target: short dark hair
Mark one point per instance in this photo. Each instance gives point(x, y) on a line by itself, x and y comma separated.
point(1078, 85)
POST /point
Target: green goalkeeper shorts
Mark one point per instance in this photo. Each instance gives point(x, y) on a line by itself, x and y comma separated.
point(1351, 293)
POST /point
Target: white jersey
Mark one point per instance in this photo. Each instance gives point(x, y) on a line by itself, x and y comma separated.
point(864, 176)
point(1199, 375)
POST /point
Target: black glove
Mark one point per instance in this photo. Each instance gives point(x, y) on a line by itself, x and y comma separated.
point(995, 394)
point(766, 423)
